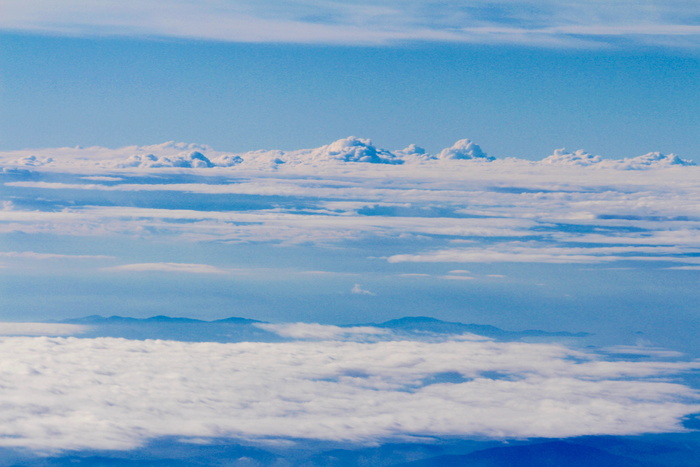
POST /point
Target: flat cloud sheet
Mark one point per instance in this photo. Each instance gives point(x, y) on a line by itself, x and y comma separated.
point(71, 393)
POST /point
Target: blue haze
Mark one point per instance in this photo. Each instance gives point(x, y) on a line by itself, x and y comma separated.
point(513, 101)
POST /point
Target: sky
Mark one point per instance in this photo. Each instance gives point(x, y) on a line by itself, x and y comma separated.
point(215, 159)
point(520, 79)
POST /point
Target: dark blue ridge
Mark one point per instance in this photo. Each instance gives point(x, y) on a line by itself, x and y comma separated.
point(427, 324)
point(237, 329)
point(97, 319)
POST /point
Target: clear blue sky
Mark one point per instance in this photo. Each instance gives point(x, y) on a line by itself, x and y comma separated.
point(116, 82)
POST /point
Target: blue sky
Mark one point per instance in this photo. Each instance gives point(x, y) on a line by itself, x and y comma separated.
point(520, 79)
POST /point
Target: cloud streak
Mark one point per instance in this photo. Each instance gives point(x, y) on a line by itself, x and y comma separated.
point(185, 268)
point(584, 23)
point(528, 253)
point(40, 329)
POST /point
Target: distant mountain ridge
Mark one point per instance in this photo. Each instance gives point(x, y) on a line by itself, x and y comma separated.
point(425, 323)
point(99, 319)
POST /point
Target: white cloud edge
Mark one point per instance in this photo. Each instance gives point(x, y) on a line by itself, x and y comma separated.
point(41, 329)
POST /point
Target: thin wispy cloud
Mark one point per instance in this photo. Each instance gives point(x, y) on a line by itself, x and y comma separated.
point(40, 329)
point(550, 23)
point(169, 267)
point(43, 256)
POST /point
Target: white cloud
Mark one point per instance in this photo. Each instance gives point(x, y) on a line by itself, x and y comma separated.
point(578, 158)
point(43, 256)
point(170, 267)
point(535, 253)
point(69, 393)
point(357, 289)
point(454, 277)
point(464, 149)
point(647, 161)
point(40, 329)
point(547, 22)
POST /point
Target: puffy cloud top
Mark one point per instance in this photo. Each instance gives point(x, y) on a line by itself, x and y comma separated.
point(353, 149)
point(647, 161)
point(346, 150)
point(412, 150)
point(464, 149)
point(579, 158)
point(653, 159)
point(192, 160)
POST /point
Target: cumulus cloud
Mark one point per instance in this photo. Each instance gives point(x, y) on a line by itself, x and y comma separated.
point(353, 149)
point(579, 158)
point(350, 150)
point(70, 393)
point(192, 160)
point(464, 149)
point(646, 161)
point(170, 267)
point(652, 159)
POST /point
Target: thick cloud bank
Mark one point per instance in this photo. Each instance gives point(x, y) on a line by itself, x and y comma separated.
point(71, 393)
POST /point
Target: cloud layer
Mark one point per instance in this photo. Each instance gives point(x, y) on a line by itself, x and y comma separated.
point(459, 206)
point(547, 23)
point(69, 393)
